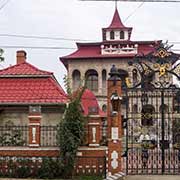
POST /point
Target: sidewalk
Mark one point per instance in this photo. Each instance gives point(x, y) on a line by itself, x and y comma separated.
point(154, 177)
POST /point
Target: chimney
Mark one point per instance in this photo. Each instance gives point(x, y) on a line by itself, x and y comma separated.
point(20, 57)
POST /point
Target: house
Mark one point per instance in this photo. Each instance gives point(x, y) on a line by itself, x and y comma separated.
point(31, 105)
point(93, 60)
point(149, 97)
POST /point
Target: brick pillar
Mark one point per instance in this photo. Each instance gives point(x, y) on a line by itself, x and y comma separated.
point(114, 125)
point(34, 126)
point(94, 134)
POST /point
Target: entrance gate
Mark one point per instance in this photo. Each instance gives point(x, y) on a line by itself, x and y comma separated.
point(152, 116)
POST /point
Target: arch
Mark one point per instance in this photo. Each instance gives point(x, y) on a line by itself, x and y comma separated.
point(112, 35)
point(104, 78)
point(104, 107)
point(76, 76)
point(165, 107)
point(134, 76)
point(121, 34)
point(147, 115)
point(92, 80)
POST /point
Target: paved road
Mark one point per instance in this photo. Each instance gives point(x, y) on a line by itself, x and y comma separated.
point(153, 177)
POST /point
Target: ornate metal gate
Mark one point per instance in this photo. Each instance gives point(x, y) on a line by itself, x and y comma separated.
point(152, 116)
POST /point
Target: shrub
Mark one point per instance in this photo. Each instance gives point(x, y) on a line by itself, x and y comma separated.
point(50, 168)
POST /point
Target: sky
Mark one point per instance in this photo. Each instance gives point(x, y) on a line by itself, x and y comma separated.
point(76, 19)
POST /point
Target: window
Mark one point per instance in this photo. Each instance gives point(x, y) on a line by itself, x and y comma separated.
point(121, 34)
point(76, 76)
point(104, 107)
point(104, 35)
point(92, 80)
point(112, 35)
point(104, 74)
point(147, 115)
point(134, 76)
point(93, 110)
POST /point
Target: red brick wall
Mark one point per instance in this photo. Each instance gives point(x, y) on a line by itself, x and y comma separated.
point(89, 160)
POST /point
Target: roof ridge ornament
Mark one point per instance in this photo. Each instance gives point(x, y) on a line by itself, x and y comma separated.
point(115, 4)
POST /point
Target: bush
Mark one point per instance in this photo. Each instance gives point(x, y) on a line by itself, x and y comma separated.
point(50, 169)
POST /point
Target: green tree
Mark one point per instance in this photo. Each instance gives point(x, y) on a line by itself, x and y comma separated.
point(71, 130)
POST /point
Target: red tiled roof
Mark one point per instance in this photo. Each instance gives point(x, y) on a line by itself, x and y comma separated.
point(116, 21)
point(23, 69)
point(40, 90)
point(89, 101)
point(25, 84)
point(93, 50)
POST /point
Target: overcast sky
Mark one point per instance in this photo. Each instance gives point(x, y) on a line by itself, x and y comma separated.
point(78, 20)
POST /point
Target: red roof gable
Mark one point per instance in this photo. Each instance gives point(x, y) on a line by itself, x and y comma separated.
point(23, 69)
point(89, 102)
point(31, 91)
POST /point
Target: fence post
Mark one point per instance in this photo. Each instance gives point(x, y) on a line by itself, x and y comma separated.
point(34, 126)
point(114, 123)
point(94, 134)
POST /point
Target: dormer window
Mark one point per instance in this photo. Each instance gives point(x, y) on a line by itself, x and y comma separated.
point(112, 35)
point(121, 34)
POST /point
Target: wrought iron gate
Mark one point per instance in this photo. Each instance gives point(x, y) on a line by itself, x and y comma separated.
point(152, 116)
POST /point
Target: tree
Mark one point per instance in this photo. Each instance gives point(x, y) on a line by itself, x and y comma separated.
point(71, 130)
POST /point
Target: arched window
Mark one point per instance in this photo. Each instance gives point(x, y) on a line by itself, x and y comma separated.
point(104, 77)
point(104, 107)
point(112, 35)
point(121, 34)
point(134, 76)
point(76, 76)
point(147, 115)
point(92, 80)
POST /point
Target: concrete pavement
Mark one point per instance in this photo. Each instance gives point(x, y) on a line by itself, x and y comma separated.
point(153, 177)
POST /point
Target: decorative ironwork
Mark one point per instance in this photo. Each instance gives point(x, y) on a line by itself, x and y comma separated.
point(49, 136)
point(145, 156)
point(160, 62)
point(151, 133)
point(14, 135)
